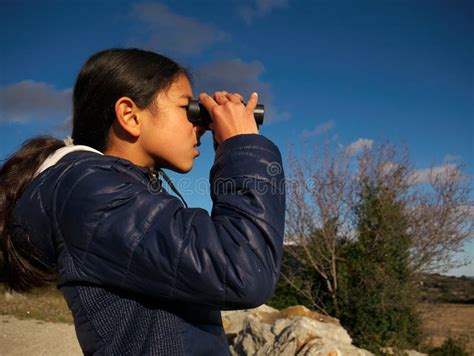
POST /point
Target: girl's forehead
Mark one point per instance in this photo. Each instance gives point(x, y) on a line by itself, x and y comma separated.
point(178, 90)
point(181, 86)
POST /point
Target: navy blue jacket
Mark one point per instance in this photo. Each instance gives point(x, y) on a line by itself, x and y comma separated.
point(142, 274)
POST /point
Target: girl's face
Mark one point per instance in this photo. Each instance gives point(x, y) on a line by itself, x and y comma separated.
point(168, 137)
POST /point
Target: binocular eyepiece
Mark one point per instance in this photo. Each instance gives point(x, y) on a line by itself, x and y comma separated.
point(198, 114)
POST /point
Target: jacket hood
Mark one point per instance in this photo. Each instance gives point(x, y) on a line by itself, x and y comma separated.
point(60, 153)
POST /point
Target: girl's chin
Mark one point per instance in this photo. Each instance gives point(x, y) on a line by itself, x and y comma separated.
point(184, 168)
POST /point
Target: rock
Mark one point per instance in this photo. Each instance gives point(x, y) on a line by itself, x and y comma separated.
point(292, 331)
point(233, 320)
point(414, 353)
point(12, 295)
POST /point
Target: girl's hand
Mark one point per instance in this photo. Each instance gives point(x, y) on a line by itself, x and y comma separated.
point(230, 117)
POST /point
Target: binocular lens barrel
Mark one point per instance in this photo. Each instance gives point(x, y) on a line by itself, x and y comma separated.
point(198, 114)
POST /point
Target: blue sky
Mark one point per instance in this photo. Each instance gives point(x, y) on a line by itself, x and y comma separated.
point(353, 72)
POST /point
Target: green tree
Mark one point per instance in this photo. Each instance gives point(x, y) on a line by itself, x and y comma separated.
point(362, 225)
point(378, 304)
point(287, 291)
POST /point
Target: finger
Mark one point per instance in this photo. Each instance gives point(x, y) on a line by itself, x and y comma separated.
point(220, 97)
point(252, 103)
point(207, 101)
point(235, 98)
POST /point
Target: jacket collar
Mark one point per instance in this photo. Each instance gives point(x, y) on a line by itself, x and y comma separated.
point(60, 153)
point(151, 174)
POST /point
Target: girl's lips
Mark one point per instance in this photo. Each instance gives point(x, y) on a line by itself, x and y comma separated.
point(195, 148)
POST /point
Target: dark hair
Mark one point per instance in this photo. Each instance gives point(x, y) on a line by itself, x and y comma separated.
point(109, 75)
point(105, 77)
point(22, 266)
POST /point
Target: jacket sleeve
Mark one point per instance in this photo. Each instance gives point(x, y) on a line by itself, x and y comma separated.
point(133, 239)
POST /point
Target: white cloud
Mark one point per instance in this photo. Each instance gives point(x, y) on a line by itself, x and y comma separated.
point(359, 145)
point(470, 210)
point(169, 32)
point(427, 174)
point(318, 130)
point(62, 129)
point(261, 8)
point(28, 101)
point(238, 76)
point(452, 159)
point(389, 167)
point(234, 75)
point(265, 6)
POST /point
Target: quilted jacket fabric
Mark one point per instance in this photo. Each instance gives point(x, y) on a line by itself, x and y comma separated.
point(142, 274)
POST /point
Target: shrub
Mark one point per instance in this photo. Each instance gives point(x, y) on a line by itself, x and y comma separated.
point(450, 347)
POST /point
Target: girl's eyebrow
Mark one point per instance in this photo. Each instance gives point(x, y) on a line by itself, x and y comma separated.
point(186, 96)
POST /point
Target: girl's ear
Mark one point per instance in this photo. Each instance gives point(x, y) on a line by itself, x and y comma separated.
point(126, 113)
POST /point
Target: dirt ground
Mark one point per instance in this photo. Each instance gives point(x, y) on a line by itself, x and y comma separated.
point(441, 321)
point(34, 337)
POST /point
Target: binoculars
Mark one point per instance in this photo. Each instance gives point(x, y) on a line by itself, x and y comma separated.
point(198, 114)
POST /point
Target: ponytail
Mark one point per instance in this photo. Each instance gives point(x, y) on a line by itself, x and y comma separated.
point(21, 266)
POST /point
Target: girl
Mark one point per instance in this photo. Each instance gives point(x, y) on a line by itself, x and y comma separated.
point(142, 273)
